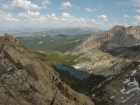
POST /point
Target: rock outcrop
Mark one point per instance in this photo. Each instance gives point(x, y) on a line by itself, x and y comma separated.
point(26, 80)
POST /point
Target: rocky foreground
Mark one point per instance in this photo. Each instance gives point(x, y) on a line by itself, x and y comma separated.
point(26, 80)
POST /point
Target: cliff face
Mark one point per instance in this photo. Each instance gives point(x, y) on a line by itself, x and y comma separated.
point(26, 80)
point(118, 36)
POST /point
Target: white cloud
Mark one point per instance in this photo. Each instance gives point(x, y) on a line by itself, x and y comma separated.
point(45, 2)
point(126, 16)
point(137, 17)
point(53, 15)
point(21, 4)
point(90, 9)
point(36, 17)
point(67, 18)
point(7, 17)
point(135, 23)
point(136, 2)
point(94, 21)
point(124, 3)
point(29, 14)
point(97, 22)
point(81, 20)
point(102, 17)
point(138, 11)
point(66, 4)
point(32, 17)
point(33, 13)
point(123, 24)
point(94, 9)
point(66, 15)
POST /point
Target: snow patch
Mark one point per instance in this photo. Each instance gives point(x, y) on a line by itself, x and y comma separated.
point(99, 86)
point(133, 72)
point(93, 95)
point(40, 42)
point(133, 83)
point(112, 97)
point(127, 80)
point(125, 100)
point(122, 90)
point(129, 91)
point(76, 67)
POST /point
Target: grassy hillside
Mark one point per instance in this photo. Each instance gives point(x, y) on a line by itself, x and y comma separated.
point(53, 57)
point(61, 43)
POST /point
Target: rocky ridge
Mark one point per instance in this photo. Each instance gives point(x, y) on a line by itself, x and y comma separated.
point(26, 80)
point(109, 51)
point(114, 38)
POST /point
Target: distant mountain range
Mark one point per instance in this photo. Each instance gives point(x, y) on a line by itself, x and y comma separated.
point(55, 31)
point(70, 31)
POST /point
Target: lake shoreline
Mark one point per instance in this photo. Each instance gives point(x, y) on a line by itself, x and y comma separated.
point(80, 74)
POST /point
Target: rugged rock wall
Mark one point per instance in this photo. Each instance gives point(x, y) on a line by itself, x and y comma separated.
point(26, 80)
point(119, 36)
point(115, 37)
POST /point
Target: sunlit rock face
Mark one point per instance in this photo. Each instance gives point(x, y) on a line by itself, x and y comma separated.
point(26, 80)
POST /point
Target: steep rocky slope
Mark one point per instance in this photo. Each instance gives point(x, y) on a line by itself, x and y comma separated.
point(122, 88)
point(109, 51)
point(26, 80)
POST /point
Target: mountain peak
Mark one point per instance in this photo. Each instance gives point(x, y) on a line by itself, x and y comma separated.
point(117, 27)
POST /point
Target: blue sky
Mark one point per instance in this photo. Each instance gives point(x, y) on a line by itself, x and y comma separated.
point(102, 14)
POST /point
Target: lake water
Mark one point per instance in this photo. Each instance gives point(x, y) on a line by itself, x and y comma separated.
point(77, 73)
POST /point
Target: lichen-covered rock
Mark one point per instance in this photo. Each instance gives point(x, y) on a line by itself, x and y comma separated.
point(26, 80)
